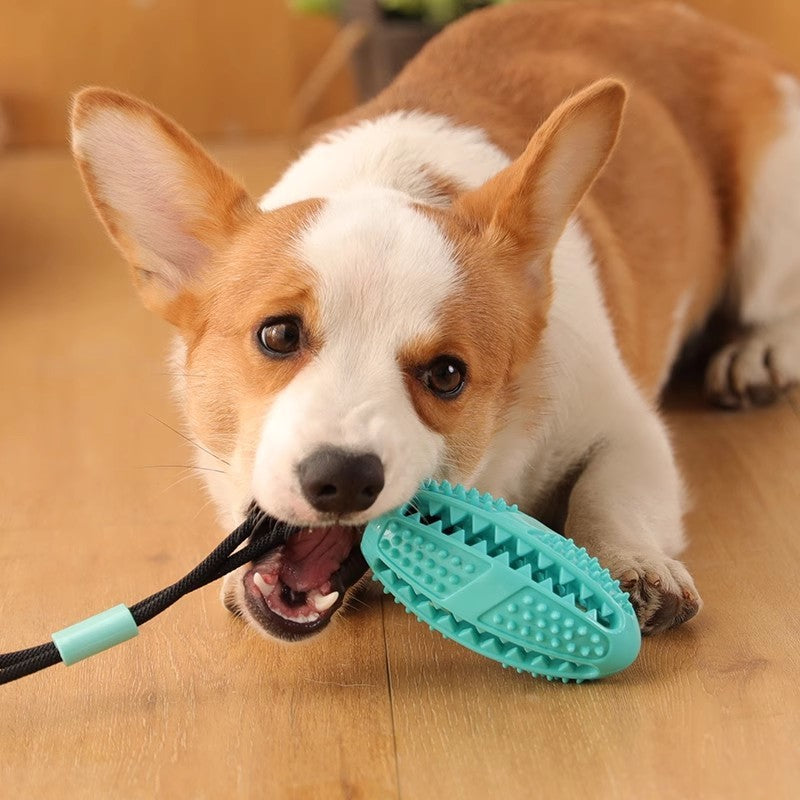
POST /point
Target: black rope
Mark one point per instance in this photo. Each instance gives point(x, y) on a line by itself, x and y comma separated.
point(263, 533)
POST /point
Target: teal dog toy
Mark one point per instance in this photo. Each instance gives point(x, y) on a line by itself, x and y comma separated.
point(493, 579)
point(475, 569)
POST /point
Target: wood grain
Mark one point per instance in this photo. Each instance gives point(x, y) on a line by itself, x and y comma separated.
point(222, 69)
point(199, 707)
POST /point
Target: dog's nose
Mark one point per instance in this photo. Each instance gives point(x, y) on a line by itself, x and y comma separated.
point(336, 481)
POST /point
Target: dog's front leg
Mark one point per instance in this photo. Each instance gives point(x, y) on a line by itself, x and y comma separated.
point(626, 508)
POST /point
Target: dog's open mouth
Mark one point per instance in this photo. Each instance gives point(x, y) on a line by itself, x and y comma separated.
point(295, 589)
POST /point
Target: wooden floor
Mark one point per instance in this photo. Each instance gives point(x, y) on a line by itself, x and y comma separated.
point(95, 509)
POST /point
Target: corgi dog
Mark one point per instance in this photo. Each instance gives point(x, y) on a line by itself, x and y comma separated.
point(485, 274)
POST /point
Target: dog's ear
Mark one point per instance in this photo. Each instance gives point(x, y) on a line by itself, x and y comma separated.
point(525, 208)
point(164, 201)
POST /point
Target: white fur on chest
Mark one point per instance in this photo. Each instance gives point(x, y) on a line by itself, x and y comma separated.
point(577, 381)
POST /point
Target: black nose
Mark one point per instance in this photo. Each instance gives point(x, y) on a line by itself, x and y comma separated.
point(336, 481)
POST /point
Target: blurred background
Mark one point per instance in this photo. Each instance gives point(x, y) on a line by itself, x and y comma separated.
point(244, 68)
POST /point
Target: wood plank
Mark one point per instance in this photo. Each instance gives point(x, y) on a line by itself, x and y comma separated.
point(222, 69)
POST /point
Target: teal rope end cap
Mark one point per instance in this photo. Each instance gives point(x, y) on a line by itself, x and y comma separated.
point(95, 634)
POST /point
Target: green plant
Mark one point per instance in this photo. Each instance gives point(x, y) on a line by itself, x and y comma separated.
point(438, 12)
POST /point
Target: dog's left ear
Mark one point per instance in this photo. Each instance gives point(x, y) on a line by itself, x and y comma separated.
point(167, 205)
point(524, 209)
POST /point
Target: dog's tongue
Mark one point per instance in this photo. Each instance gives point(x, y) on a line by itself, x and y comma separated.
point(312, 555)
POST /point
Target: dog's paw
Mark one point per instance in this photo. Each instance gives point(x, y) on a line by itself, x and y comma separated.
point(661, 590)
point(756, 369)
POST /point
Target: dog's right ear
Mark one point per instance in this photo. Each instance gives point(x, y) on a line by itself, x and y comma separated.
point(524, 208)
point(165, 202)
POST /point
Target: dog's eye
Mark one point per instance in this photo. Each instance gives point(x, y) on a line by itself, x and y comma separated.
point(445, 376)
point(280, 337)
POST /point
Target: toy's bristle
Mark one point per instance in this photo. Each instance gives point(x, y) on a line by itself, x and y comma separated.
point(467, 525)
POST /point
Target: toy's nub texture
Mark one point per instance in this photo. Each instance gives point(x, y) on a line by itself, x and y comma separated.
point(502, 584)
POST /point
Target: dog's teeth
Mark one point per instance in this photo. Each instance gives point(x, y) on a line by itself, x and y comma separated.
point(303, 618)
point(322, 602)
point(263, 587)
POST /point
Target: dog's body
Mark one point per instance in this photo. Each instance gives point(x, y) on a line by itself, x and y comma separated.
point(434, 292)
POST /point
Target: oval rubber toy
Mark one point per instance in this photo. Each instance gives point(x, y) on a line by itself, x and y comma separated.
point(502, 584)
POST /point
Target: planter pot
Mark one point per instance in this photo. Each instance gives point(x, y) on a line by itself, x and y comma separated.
point(390, 43)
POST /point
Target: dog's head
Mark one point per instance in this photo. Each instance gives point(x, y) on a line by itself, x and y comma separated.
point(337, 351)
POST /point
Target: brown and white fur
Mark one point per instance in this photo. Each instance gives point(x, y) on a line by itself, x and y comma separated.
point(468, 212)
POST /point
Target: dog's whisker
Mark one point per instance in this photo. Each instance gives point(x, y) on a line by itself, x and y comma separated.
point(181, 466)
point(357, 601)
point(178, 481)
point(201, 509)
point(188, 439)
